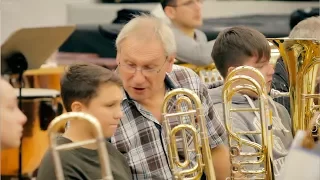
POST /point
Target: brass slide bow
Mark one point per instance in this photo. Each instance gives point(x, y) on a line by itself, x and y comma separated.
point(263, 155)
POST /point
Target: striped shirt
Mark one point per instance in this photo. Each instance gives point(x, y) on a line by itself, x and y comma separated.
point(141, 138)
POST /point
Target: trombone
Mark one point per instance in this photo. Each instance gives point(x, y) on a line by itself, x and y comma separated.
point(192, 121)
point(233, 84)
point(60, 121)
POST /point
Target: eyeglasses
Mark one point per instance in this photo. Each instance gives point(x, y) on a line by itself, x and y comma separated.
point(147, 72)
point(187, 3)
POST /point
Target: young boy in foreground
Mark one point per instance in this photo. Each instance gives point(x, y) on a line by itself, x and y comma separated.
point(97, 91)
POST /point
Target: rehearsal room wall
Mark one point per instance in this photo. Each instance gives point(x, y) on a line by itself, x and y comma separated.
point(16, 14)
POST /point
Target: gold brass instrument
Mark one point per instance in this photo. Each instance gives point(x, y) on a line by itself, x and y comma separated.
point(315, 128)
point(207, 74)
point(193, 122)
point(274, 55)
point(302, 60)
point(196, 68)
point(233, 84)
point(60, 121)
point(313, 133)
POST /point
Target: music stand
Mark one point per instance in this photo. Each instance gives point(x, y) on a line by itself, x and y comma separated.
point(29, 48)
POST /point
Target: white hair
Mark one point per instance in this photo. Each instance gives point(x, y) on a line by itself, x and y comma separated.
point(146, 27)
point(308, 28)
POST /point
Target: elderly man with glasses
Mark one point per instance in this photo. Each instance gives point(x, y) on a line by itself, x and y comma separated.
point(192, 44)
point(145, 57)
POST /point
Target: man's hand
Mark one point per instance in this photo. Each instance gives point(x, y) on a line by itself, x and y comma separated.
point(221, 162)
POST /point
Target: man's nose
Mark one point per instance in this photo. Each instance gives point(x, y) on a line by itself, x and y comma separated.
point(138, 77)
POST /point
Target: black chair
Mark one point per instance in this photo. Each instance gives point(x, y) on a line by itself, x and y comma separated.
point(93, 39)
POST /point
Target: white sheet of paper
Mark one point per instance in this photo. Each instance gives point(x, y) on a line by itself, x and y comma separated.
point(301, 163)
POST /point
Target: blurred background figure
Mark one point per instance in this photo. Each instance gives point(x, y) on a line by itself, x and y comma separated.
point(192, 44)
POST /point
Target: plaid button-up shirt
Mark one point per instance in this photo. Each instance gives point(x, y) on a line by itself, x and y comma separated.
point(141, 138)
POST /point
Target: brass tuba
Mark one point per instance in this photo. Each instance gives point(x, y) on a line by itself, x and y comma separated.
point(302, 60)
point(189, 120)
point(59, 122)
point(263, 156)
point(312, 133)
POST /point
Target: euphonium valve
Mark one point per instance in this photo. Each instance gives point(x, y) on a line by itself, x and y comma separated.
point(260, 164)
point(54, 128)
point(276, 93)
point(190, 125)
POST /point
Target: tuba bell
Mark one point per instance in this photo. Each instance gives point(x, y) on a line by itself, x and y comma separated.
point(302, 60)
point(192, 121)
point(61, 121)
point(262, 157)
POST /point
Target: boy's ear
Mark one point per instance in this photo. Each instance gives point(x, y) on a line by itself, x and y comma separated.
point(170, 12)
point(229, 70)
point(76, 106)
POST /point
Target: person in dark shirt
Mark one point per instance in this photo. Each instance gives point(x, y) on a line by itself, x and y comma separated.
point(97, 91)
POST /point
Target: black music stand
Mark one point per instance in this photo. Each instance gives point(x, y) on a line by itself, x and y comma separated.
point(29, 48)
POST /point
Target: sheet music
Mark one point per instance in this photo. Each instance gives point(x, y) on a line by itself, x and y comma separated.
point(301, 163)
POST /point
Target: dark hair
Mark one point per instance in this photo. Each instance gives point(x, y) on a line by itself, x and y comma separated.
point(302, 14)
point(81, 82)
point(234, 45)
point(165, 3)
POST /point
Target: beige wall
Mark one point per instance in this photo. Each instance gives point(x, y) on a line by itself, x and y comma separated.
point(78, 13)
point(16, 14)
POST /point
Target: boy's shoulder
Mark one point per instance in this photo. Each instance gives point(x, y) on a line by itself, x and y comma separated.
point(64, 155)
point(120, 166)
point(113, 151)
point(280, 107)
point(47, 165)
